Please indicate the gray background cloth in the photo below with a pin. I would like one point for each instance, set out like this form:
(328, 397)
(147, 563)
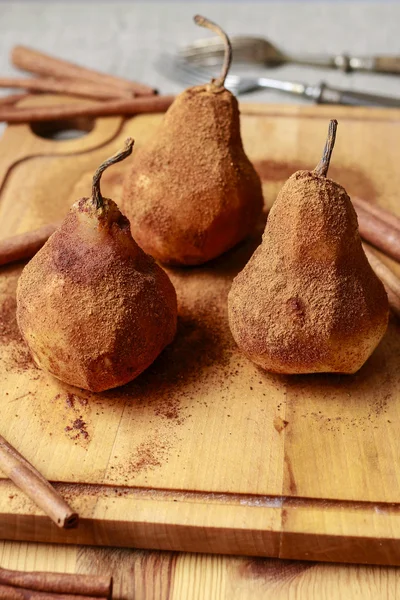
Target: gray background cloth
(126, 38)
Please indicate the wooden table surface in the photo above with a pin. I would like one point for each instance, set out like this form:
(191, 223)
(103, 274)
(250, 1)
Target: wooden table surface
(146, 575)
(153, 575)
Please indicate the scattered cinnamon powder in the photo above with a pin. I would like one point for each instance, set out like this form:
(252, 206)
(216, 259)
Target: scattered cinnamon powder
(20, 358)
(199, 357)
(168, 409)
(70, 401)
(202, 354)
(148, 455)
(9, 331)
(78, 428)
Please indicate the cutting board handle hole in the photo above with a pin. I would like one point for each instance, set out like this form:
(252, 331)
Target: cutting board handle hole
(67, 129)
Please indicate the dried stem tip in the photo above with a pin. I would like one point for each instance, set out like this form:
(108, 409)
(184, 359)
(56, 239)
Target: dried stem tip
(121, 155)
(323, 165)
(203, 22)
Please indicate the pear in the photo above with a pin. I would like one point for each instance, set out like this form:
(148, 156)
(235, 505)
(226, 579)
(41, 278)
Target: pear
(308, 301)
(94, 309)
(192, 193)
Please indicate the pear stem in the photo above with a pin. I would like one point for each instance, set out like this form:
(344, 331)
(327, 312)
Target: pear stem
(203, 22)
(323, 165)
(96, 193)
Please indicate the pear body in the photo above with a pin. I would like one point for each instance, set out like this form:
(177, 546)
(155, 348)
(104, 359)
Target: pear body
(94, 309)
(192, 193)
(308, 301)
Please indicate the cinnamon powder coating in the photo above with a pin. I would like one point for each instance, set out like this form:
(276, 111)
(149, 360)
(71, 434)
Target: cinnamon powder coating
(308, 300)
(94, 309)
(192, 192)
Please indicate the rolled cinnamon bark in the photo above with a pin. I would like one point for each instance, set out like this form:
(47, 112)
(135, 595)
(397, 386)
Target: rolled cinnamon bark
(388, 278)
(54, 112)
(25, 245)
(75, 87)
(15, 593)
(40, 63)
(35, 486)
(12, 99)
(99, 586)
(379, 233)
(376, 211)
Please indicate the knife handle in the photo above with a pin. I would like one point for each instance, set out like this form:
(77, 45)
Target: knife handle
(387, 64)
(370, 64)
(331, 95)
(348, 64)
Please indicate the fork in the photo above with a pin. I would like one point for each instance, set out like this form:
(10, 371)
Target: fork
(177, 69)
(249, 49)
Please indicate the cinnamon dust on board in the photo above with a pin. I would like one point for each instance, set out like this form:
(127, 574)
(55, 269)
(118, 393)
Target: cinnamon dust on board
(78, 425)
(204, 354)
(20, 358)
(78, 428)
(176, 383)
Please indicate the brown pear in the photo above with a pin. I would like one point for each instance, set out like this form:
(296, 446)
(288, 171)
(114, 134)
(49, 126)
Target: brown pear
(308, 301)
(192, 193)
(94, 309)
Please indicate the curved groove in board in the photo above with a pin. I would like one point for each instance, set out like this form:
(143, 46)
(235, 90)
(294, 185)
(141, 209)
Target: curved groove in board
(102, 127)
(19, 142)
(104, 130)
(5, 172)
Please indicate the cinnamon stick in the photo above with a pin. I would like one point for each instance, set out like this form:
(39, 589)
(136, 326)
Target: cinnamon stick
(40, 63)
(388, 278)
(25, 245)
(12, 99)
(379, 233)
(380, 213)
(35, 486)
(75, 87)
(15, 593)
(148, 104)
(99, 586)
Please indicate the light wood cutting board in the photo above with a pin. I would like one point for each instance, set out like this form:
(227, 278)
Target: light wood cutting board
(204, 451)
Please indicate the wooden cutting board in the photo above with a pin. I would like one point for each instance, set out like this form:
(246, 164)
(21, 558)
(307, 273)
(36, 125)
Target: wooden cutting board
(204, 451)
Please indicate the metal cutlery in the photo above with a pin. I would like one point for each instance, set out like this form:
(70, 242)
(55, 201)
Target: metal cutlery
(248, 49)
(321, 93)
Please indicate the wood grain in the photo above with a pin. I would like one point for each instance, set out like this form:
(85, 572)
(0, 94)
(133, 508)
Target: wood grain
(204, 451)
(145, 575)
